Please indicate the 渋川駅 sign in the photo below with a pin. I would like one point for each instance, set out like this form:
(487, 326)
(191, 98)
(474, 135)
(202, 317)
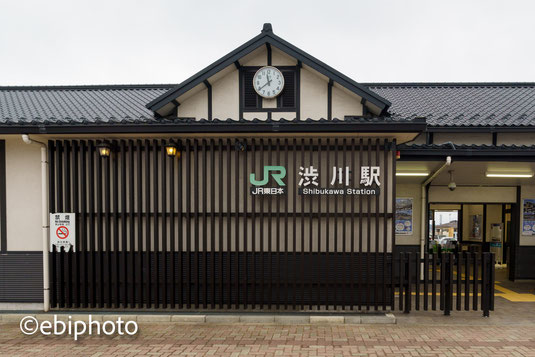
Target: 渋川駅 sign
(309, 181)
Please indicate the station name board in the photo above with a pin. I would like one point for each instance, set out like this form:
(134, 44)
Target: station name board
(309, 181)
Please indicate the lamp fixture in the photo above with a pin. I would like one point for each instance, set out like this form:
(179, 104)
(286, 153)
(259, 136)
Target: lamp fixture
(104, 149)
(415, 173)
(172, 150)
(512, 175)
(240, 145)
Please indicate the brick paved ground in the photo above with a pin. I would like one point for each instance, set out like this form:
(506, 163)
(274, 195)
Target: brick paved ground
(510, 332)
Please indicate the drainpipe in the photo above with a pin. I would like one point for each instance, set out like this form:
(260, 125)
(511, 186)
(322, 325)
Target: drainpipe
(44, 218)
(424, 204)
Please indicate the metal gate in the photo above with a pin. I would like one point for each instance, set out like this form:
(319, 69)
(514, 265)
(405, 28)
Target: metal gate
(185, 232)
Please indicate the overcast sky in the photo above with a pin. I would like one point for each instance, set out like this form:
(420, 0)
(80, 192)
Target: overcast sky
(124, 42)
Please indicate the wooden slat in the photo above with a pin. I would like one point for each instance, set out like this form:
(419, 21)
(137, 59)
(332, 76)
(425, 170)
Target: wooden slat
(148, 249)
(253, 225)
(229, 222)
(139, 201)
(68, 209)
(262, 207)
(245, 232)
(116, 224)
(286, 228)
(376, 253)
(319, 278)
(180, 222)
(310, 235)
(385, 190)
(163, 178)
(213, 176)
(83, 225)
(131, 225)
(327, 226)
(204, 225)
(236, 226)
(107, 230)
(294, 223)
(92, 264)
(156, 224)
(221, 208)
(75, 174)
(335, 233)
(369, 232)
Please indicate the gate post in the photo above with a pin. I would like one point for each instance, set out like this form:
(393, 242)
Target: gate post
(447, 264)
(485, 288)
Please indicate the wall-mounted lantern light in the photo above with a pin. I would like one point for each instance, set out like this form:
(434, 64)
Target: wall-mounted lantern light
(104, 149)
(172, 150)
(240, 145)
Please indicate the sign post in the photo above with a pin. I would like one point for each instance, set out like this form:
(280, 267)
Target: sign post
(63, 230)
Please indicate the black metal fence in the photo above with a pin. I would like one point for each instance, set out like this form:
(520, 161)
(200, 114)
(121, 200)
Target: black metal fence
(445, 282)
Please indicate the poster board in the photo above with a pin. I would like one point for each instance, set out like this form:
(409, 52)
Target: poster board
(63, 230)
(404, 209)
(528, 217)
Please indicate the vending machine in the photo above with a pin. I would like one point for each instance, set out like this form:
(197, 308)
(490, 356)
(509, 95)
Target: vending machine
(496, 241)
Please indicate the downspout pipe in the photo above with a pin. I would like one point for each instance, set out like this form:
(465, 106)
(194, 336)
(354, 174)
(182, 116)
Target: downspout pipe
(424, 203)
(44, 217)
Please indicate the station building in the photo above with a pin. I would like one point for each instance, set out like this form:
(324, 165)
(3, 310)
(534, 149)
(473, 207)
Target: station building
(266, 178)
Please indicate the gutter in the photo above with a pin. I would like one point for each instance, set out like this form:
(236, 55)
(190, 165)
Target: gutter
(423, 221)
(214, 127)
(44, 218)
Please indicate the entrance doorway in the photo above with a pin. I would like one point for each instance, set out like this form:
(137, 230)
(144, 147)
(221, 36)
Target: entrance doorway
(472, 227)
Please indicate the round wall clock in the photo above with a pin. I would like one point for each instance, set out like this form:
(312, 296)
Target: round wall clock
(268, 82)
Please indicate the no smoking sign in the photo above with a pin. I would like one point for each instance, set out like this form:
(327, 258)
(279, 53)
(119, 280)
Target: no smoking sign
(62, 230)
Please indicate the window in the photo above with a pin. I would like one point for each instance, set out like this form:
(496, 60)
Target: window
(287, 100)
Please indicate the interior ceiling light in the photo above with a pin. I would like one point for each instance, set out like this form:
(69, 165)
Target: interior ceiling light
(509, 174)
(412, 173)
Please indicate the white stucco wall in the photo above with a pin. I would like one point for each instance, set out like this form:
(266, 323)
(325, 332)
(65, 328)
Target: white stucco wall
(23, 191)
(345, 103)
(225, 96)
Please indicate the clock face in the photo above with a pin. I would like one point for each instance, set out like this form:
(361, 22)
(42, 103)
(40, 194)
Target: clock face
(268, 82)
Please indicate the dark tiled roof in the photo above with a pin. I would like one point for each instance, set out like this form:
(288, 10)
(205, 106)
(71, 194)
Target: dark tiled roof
(464, 147)
(462, 104)
(78, 104)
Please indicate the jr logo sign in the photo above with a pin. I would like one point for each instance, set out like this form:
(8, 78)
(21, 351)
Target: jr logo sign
(277, 172)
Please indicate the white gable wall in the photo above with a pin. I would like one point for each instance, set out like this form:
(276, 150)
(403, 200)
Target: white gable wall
(225, 93)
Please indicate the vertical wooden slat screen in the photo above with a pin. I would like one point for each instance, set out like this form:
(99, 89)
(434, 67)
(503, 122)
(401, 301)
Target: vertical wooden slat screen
(179, 232)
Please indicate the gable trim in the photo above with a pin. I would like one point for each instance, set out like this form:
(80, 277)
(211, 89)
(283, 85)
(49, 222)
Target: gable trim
(268, 38)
